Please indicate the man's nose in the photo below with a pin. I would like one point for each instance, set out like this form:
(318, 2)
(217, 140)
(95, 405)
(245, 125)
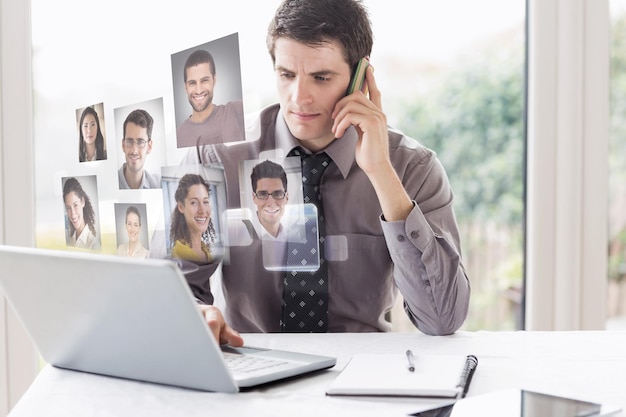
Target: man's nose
(301, 91)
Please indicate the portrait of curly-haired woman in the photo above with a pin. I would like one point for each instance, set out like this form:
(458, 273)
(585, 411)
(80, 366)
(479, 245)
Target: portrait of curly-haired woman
(192, 229)
(81, 218)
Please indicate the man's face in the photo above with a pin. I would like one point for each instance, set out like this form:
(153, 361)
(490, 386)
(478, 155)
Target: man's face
(310, 81)
(270, 211)
(134, 136)
(199, 86)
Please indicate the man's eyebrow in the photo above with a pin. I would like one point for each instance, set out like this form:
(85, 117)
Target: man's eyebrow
(323, 72)
(195, 80)
(282, 69)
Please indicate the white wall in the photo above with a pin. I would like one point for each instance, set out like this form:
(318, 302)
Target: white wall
(568, 134)
(18, 359)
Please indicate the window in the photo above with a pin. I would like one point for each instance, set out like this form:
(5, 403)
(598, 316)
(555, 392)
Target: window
(464, 97)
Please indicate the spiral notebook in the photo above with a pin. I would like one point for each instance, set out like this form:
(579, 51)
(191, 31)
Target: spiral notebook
(426, 375)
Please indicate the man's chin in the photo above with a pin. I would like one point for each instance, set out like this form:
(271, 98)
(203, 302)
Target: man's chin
(271, 223)
(134, 168)
(311, 135)
(199, 107)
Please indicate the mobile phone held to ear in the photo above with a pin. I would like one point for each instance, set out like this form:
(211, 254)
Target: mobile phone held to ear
(358, 78)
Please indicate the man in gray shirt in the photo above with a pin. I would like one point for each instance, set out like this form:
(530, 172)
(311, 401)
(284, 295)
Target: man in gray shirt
(137, 145)
(387, 202)
(209, 123)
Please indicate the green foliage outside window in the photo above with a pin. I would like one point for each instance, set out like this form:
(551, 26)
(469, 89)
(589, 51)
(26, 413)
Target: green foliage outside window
(474, 119)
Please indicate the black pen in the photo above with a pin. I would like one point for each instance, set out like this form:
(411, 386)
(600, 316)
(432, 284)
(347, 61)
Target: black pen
(471, 362)
(409, 356)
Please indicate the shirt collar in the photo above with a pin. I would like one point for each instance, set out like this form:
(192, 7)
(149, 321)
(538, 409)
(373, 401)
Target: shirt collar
(341, 150)
(144, 178)
(83, 238)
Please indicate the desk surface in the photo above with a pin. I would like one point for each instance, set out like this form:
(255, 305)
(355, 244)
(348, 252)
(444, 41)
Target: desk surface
(586, 365)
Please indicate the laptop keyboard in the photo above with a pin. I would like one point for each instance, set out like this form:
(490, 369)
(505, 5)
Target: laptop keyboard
(240, 364)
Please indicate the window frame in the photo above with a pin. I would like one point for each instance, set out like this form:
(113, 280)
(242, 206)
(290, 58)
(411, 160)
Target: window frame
(18, 356)
(567, 170)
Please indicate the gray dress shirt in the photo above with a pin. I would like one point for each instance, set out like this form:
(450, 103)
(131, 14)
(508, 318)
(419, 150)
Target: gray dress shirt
(372, 258)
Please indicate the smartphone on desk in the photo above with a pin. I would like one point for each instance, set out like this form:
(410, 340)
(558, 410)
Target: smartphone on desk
(357, 82)
(520, 402)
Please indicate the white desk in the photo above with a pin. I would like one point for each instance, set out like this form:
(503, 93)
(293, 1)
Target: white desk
(587, 365)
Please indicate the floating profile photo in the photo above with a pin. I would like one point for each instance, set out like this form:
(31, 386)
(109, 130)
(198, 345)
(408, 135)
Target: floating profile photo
(208, 93)
(273, 217)
(140, 135)
(272, 192)
(193, 200)
(131, 227)
(91, 133)
(80, 202)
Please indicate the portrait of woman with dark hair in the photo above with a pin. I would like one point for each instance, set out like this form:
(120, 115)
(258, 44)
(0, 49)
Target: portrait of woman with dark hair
(134, 247)
(81, 217)
(91, 146)
(192, 229)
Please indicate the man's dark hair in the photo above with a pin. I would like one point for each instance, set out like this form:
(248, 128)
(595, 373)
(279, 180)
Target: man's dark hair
(268, 169)
(198, 57)
(140, 118)
(316, 22)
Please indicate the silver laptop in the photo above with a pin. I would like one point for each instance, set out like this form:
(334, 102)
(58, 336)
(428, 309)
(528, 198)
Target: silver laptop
(130, 318)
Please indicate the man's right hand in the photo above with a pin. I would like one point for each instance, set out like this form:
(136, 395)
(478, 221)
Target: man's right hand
(223, 333)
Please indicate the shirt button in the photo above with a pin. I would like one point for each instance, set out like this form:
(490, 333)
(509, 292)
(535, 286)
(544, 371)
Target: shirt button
(400, 238)
(414, 234)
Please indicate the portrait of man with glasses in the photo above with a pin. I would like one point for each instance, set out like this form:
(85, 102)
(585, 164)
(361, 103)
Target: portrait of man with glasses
(137, 145)
(269, 194)
(274, 220)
